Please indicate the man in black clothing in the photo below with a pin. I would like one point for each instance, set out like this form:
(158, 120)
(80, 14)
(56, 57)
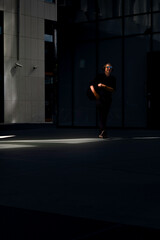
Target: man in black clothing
(102, 87)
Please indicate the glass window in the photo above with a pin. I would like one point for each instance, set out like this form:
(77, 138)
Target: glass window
(137, 24)
(156, 22)
(110, 28)
(85, 10)
(85, 31)
(156, 42)
(135, 75)
(50, 99)
(84, 72)
(0, 30)
(48, 38)
(136, 6)
(156, 5)
(109, 8)
(81, 16)
(65, 77)
(65, 87)
(50, 1)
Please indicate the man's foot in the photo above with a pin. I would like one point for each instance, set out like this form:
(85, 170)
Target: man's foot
(103, 134)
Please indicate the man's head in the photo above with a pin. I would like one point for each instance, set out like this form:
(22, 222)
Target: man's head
(108, 69)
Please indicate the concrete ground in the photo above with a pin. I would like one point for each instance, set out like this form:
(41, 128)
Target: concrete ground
(68, 184)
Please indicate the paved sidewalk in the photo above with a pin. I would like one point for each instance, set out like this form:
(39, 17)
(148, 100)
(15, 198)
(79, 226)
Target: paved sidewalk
(71, 173)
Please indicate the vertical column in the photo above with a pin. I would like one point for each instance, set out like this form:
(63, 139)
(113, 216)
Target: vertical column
(1, 70)
(18, 27)
(123, 83)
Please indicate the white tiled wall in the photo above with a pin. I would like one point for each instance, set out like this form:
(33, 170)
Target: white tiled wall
(24, 93)
(2, 5)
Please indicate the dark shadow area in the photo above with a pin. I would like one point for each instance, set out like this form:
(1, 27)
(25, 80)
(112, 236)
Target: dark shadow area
(27, 225)
(153, 85)
(24, 126)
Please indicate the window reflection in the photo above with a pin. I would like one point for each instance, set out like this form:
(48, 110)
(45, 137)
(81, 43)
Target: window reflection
(50, 1)
(109, 8)
(137, 24)
(110, 28)
(156, 42)
(136, 6)
(85, 31)
(135, 75)
(48, 38)
(156, 5)
(156, 22)
(85, 10)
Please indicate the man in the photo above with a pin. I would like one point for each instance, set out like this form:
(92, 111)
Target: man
(102, 88)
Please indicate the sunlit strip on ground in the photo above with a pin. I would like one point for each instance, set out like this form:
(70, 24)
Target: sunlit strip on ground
(146, 138)
(78, 140)
(12, 146)
(30, 143)
(9, 136)
(67, 141)
(85, 140)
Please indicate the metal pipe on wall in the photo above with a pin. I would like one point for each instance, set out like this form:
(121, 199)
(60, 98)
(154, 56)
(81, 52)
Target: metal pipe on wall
(18, 27)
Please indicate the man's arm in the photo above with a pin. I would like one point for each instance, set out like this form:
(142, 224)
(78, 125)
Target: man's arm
(110, 89)
(94, 92)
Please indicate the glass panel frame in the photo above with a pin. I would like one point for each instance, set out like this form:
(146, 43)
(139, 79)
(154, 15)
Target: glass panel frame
(84, 72)
(156, 5)
(110, 28)
(135, 80)
(85, 11)
(156, 22)
(156, 42)
(109, 8)
(49, 1)
(84, 31)
(137, 24)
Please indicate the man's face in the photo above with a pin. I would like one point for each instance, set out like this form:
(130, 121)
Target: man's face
(108, 69)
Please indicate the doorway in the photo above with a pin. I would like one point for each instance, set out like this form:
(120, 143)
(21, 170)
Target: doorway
(50, 71)
(153, 90)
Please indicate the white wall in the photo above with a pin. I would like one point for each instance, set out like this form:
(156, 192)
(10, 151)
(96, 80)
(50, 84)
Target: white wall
(24, 88)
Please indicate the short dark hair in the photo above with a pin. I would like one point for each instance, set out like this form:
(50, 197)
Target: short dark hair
(106, 64)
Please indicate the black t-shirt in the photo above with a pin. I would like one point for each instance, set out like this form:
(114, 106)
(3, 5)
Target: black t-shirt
(109, 81)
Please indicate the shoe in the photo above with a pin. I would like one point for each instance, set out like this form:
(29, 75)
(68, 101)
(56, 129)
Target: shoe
(103, 134)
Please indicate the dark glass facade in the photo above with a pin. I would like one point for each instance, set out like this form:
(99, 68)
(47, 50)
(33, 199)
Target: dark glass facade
(50, 1)
(122, 32)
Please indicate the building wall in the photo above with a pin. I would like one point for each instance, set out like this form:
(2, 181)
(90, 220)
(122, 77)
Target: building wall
(24, 87)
